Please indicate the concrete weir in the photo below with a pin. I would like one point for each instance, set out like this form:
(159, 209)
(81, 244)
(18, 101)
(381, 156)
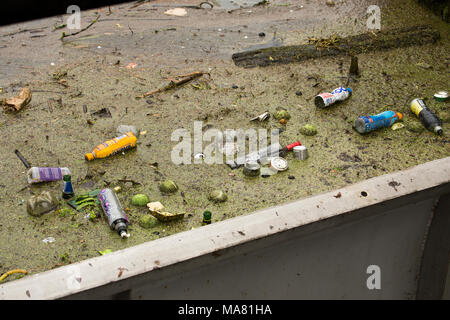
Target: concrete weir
(383, 238)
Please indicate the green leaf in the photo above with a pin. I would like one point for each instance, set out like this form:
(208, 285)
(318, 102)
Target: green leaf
(81, 206)
(85, 200)
(106, 251)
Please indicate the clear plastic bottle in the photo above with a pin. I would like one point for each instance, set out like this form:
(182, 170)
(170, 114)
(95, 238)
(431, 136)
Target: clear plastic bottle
(117, 219)
(43, 174)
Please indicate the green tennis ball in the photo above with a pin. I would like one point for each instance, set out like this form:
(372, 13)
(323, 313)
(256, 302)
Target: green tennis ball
(140, 200)
(282, 114)
(308, 130)
(168, 186)
(147, 221)
(218, 196)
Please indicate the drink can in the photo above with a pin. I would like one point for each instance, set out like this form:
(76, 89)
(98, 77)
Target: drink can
(326, 99)
(300, 152)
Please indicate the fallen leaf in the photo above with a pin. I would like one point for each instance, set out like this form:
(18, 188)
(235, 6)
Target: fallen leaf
(81, 46)
(19, 101)
(105, 251)
(131, 65)
(155, 206)
(179, 12)
(397, 126)
(121, 270)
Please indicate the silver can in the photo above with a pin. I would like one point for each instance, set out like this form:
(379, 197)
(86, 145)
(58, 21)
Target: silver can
(252, 168)
(279, 164)
(117, 219)
(300, 152)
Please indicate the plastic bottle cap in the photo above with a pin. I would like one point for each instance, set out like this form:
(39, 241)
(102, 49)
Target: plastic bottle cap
(349, 90)
(441, 96)
(207, 215)
(438, 130)
(89, 156)
(124, 234)
(400, 116)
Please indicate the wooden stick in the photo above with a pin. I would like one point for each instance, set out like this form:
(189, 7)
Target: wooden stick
(64, 35)
(175, 83)
(359, 44)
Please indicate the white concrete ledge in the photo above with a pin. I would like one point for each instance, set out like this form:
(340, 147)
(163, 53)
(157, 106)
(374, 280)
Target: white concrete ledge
(99, 271)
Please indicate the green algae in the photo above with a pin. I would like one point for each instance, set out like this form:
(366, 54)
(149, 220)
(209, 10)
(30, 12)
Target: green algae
(339, 156)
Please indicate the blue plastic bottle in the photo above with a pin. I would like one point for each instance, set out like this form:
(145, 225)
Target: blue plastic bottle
(385, 119)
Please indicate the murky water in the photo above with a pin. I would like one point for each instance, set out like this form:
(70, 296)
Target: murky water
(236, 4)
(53, 134)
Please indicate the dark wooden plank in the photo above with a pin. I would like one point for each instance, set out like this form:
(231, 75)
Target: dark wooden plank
(353, 45)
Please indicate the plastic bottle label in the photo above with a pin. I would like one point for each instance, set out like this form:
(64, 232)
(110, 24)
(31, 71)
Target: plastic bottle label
(417, 106)
(382, 120)
(111, 206)
(50, 174)
(338, 94)
(67, 187)
(114, 146)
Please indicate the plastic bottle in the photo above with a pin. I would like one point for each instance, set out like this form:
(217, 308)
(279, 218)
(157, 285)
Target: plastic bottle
(206, 218)
(326, 99)
(385, 119)
(43, 174)
(67, 187)
(117, 219)
(426, 116)
(113, 146)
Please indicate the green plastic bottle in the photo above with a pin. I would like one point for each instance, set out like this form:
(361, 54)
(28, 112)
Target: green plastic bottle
(206, 218)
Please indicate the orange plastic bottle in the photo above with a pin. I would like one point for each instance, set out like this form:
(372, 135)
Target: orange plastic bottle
(113, 146)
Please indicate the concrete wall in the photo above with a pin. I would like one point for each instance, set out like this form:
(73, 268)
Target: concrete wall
(315, 248)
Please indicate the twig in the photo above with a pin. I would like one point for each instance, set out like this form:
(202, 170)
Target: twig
(61, 26)
(175, 83)
(130, 180)
(21, 31)
(64, 35)
(24, 161)
(138, 3)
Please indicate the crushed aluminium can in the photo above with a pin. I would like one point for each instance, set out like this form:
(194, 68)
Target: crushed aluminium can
(261, 117)
(426, 116)
(385, 119)
(326, 99)
(279, 164)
